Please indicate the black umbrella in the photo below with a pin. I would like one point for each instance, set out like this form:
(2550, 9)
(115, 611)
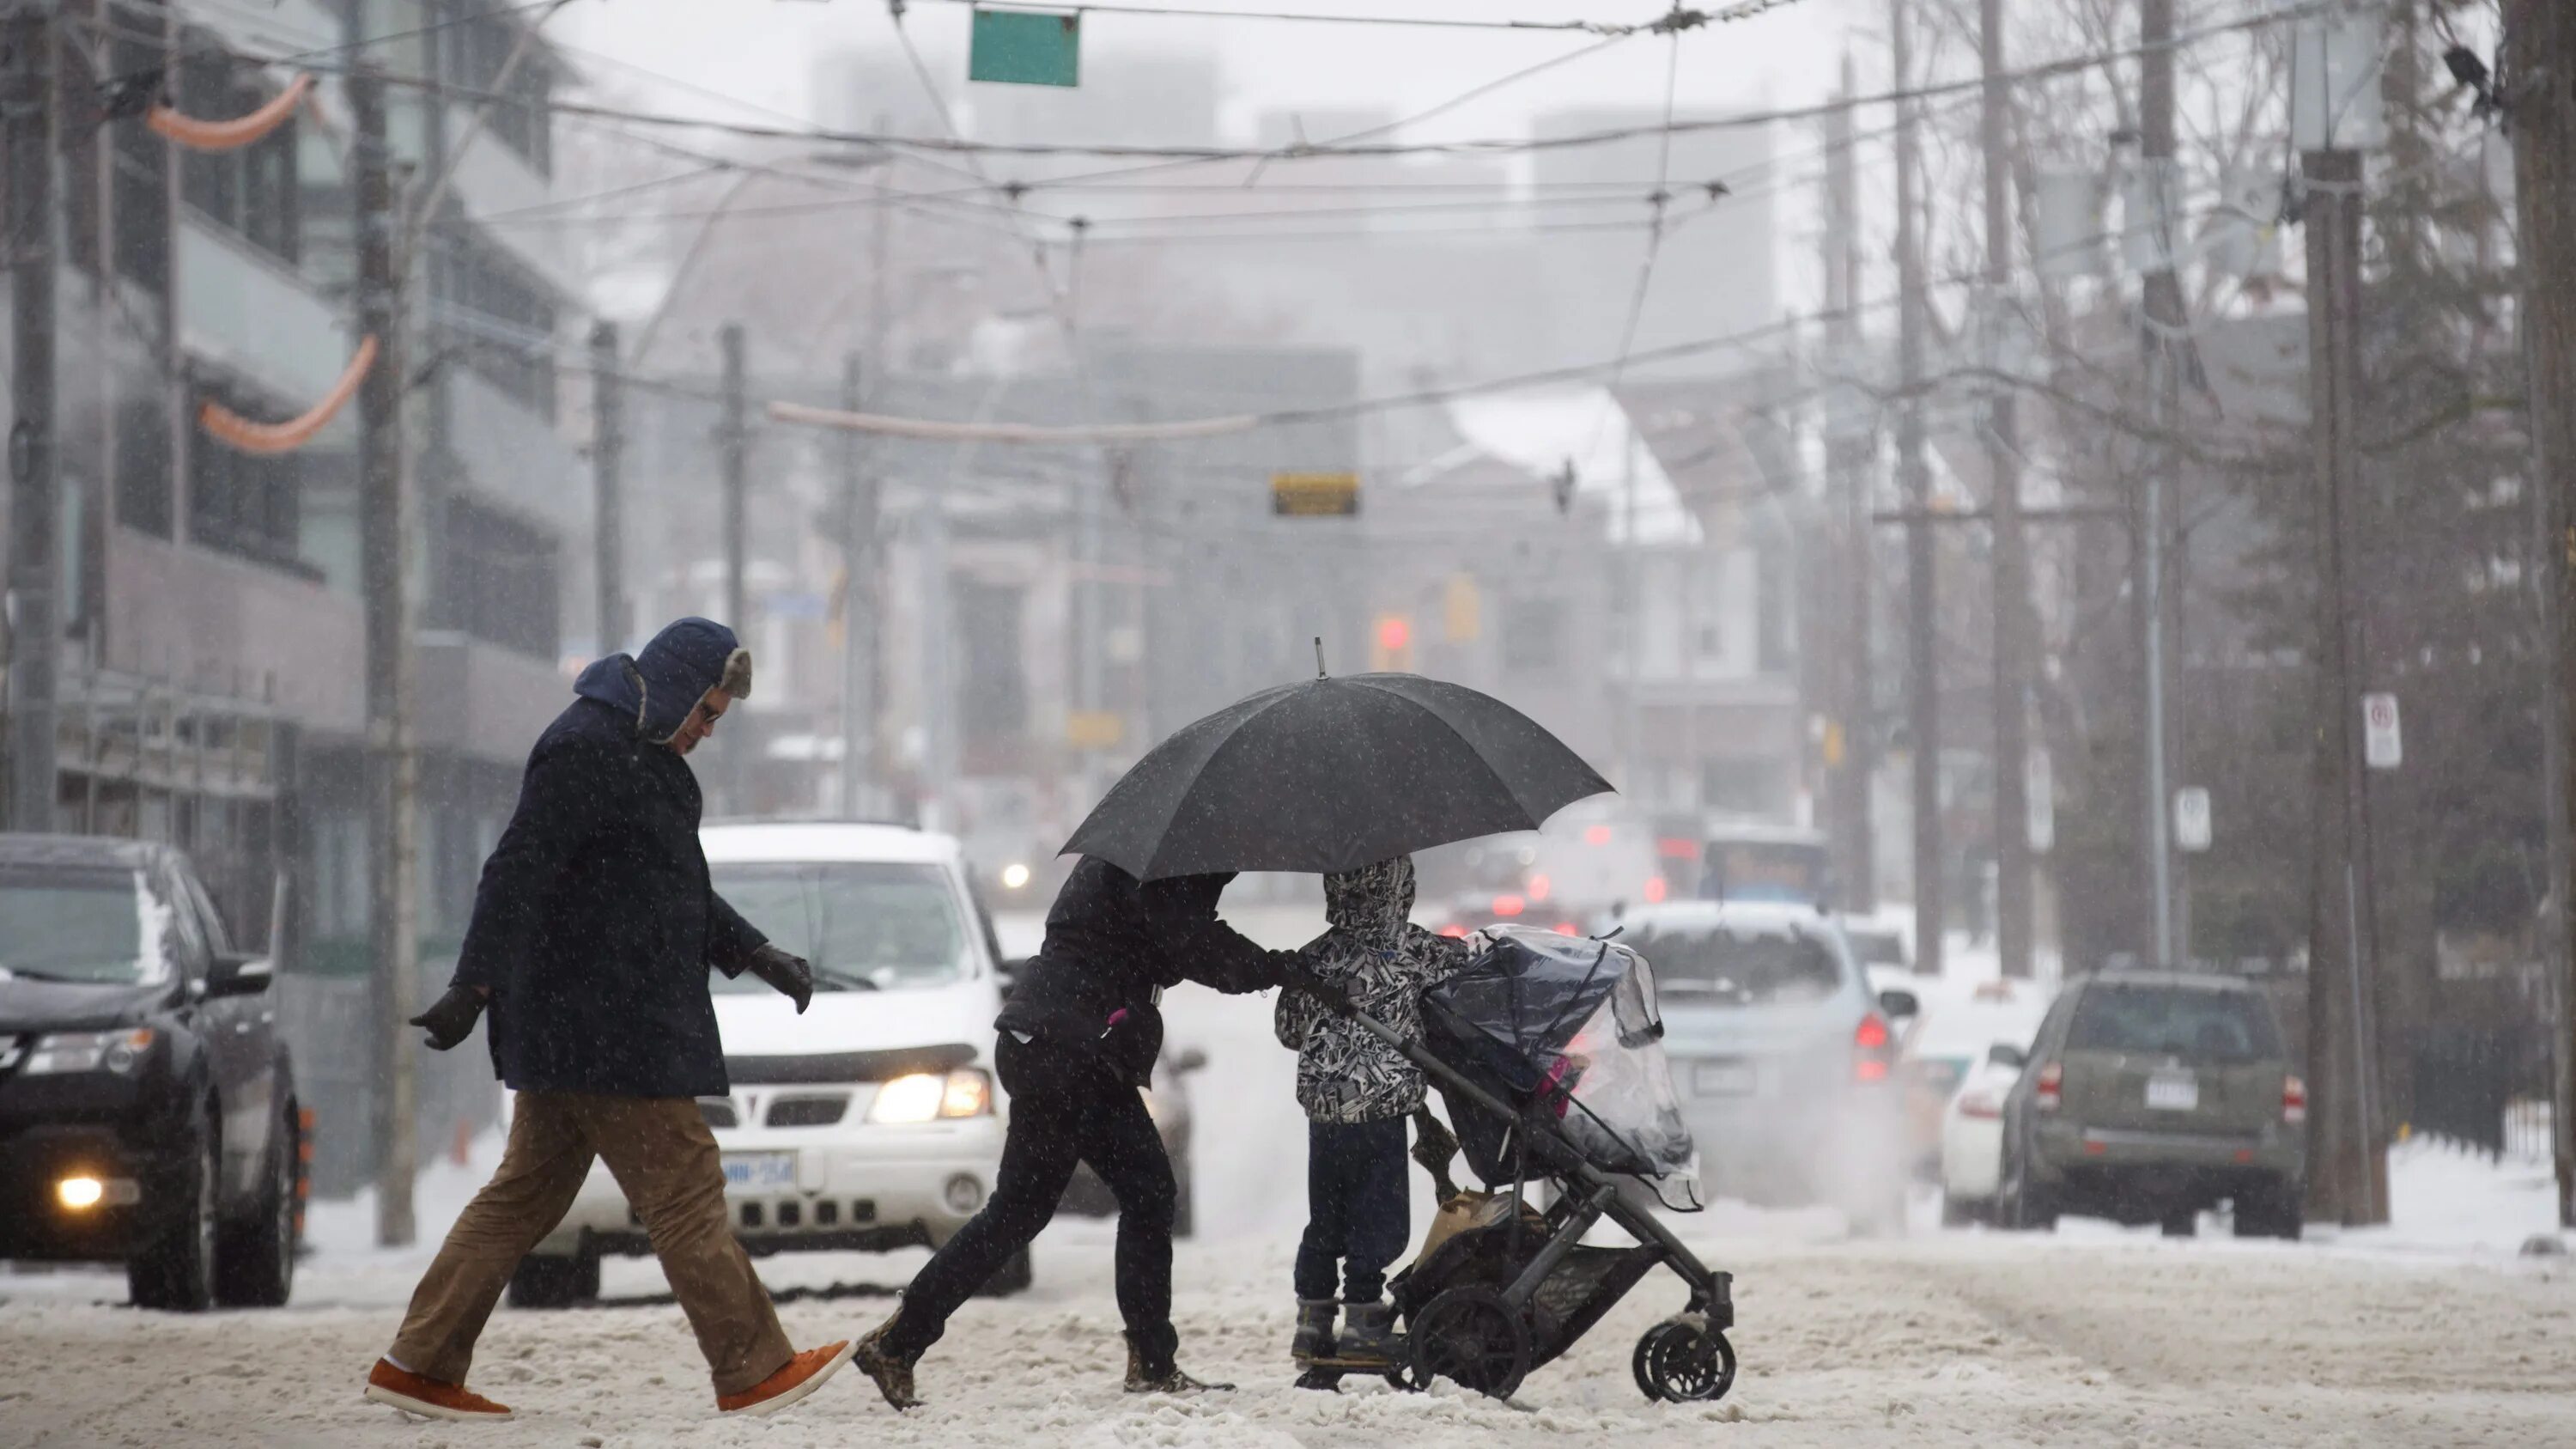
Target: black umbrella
(1330, 775)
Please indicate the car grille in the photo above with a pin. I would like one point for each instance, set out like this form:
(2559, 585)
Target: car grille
(808, 1111)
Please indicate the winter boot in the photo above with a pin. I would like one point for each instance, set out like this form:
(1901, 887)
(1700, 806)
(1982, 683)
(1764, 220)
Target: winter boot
(893, 1375)
(1314, 1329)
(1368, 1332)
(1144, 1378)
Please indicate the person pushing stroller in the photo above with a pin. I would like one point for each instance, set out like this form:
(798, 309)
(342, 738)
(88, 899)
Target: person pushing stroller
(1357, 1091)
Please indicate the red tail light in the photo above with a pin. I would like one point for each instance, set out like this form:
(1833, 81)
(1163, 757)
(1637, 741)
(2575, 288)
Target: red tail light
(1870, 1049)
(2045, 1096)
(2294, 1100)
(1984, 1106)
(1454, 931)
(1509, 906)
(1656, 889)
(1566, 928)
(1539, 886)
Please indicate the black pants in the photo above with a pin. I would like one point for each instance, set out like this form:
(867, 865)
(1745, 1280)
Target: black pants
(1355, 1210)
(1065, 1109)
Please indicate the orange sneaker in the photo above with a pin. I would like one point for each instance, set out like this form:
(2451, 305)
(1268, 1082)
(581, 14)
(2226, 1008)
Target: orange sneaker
(430, 1398)
(803, 1375)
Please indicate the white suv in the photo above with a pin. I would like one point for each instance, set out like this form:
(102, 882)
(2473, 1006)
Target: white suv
(872, 1121)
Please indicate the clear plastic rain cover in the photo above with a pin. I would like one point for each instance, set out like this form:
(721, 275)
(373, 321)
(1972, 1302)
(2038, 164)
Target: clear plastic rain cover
(1571, 1025)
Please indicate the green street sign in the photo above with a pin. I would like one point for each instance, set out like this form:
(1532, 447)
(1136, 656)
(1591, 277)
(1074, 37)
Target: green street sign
(1026, 48)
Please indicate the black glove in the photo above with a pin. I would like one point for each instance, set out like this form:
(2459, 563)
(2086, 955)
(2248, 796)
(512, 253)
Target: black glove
(787, 974)
(450, 1019)
(1335, 997)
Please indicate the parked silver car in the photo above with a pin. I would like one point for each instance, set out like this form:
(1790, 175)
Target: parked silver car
(1782, 1054)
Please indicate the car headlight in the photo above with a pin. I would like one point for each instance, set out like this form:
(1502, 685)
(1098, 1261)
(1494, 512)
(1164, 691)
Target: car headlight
(1015, 876)
(930, 1096)
(87, 1051)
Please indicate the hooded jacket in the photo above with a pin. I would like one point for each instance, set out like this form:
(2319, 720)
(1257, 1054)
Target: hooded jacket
(595, 922)
(1376, 953)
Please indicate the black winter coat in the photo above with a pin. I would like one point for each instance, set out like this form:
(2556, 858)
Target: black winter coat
(595, 923)
(1112, 945)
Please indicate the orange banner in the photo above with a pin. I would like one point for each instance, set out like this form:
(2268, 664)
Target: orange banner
(232, 135)
(268, 438)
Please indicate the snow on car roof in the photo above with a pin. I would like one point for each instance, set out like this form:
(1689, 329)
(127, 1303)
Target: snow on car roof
(1781, 917)
(827, 840)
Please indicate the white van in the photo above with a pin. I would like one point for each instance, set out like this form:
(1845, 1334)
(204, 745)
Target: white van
(873, 1121)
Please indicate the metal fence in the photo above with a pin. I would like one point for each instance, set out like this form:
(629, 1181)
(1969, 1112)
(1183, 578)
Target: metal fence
(2474, 1086)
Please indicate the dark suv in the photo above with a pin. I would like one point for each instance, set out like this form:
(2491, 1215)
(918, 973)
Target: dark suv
(147, 1107)
(2150, 1096)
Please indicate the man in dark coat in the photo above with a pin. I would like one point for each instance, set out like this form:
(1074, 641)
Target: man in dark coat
(593, 930)
(1078, 1037)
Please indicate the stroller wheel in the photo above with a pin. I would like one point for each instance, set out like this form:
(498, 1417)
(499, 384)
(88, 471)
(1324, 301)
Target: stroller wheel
(1683, 1361)
(1471, 1337)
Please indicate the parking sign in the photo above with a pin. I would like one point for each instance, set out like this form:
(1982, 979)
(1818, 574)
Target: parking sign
(2191, 819)
(2383, 746)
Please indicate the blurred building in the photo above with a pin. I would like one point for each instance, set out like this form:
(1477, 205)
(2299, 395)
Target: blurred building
(213, 659)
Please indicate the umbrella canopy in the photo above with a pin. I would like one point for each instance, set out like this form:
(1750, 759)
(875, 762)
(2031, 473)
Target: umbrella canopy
(1332, 775)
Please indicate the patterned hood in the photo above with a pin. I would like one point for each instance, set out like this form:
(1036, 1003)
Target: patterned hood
(1372, 903)
(1376, 953)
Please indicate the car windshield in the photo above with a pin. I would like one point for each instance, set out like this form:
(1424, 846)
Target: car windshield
(78, 925)
(1721, 967)
(864, 925)
(2174, 1021)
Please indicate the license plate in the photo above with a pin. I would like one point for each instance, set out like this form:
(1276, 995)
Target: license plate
(2174, 1094)
(759, 1171)
(1723, 1079)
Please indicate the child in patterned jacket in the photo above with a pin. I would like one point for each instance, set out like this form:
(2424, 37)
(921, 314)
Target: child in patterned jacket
(1357, 1091)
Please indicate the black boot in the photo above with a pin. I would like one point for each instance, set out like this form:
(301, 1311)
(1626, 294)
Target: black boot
(1314, 1329)
(893, 1375)
(1164, 1378)
(1368, 1332)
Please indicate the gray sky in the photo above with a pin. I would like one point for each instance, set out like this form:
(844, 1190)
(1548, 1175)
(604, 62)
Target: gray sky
(761, 51)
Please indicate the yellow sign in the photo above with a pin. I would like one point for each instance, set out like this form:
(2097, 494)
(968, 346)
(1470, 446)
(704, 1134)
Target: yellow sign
(1315, 495)
(1094, 729)
(1462, 610)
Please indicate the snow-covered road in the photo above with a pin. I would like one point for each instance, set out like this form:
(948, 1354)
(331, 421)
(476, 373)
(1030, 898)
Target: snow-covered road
(2433, 1335)
(1955, 1339)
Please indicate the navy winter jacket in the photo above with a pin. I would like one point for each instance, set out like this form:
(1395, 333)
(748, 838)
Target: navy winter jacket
(595, 923)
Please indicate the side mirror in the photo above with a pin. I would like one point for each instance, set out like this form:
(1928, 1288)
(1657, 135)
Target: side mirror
(1192, 1060)
(1900, 1004)
(2005, 1054)
(239, 973)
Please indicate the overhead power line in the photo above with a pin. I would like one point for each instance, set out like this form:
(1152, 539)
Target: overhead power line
(1677, 19)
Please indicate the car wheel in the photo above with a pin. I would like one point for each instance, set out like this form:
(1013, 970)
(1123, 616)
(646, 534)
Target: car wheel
(551, 1280)
(2027, 1206)
(2182, 1222)
(177, 1272)
(1184, 1215)
(1014, 1276)
(2272, 1210)
(255, 1262)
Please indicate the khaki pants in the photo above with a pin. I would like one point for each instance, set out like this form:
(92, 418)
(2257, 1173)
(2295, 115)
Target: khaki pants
(662, 1154)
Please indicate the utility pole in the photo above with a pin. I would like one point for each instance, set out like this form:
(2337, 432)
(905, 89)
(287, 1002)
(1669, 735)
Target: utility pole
(607, 451)
(1922, 659)
(2540, 43)
(392, 772)
(32, 232)
(1851, 454)
(2165, 325)
(859, 595)
(734, 439)
(2012, 621)
(2347, 1172)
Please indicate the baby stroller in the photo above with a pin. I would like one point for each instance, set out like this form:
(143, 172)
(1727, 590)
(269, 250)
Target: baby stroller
(1547, 1054)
